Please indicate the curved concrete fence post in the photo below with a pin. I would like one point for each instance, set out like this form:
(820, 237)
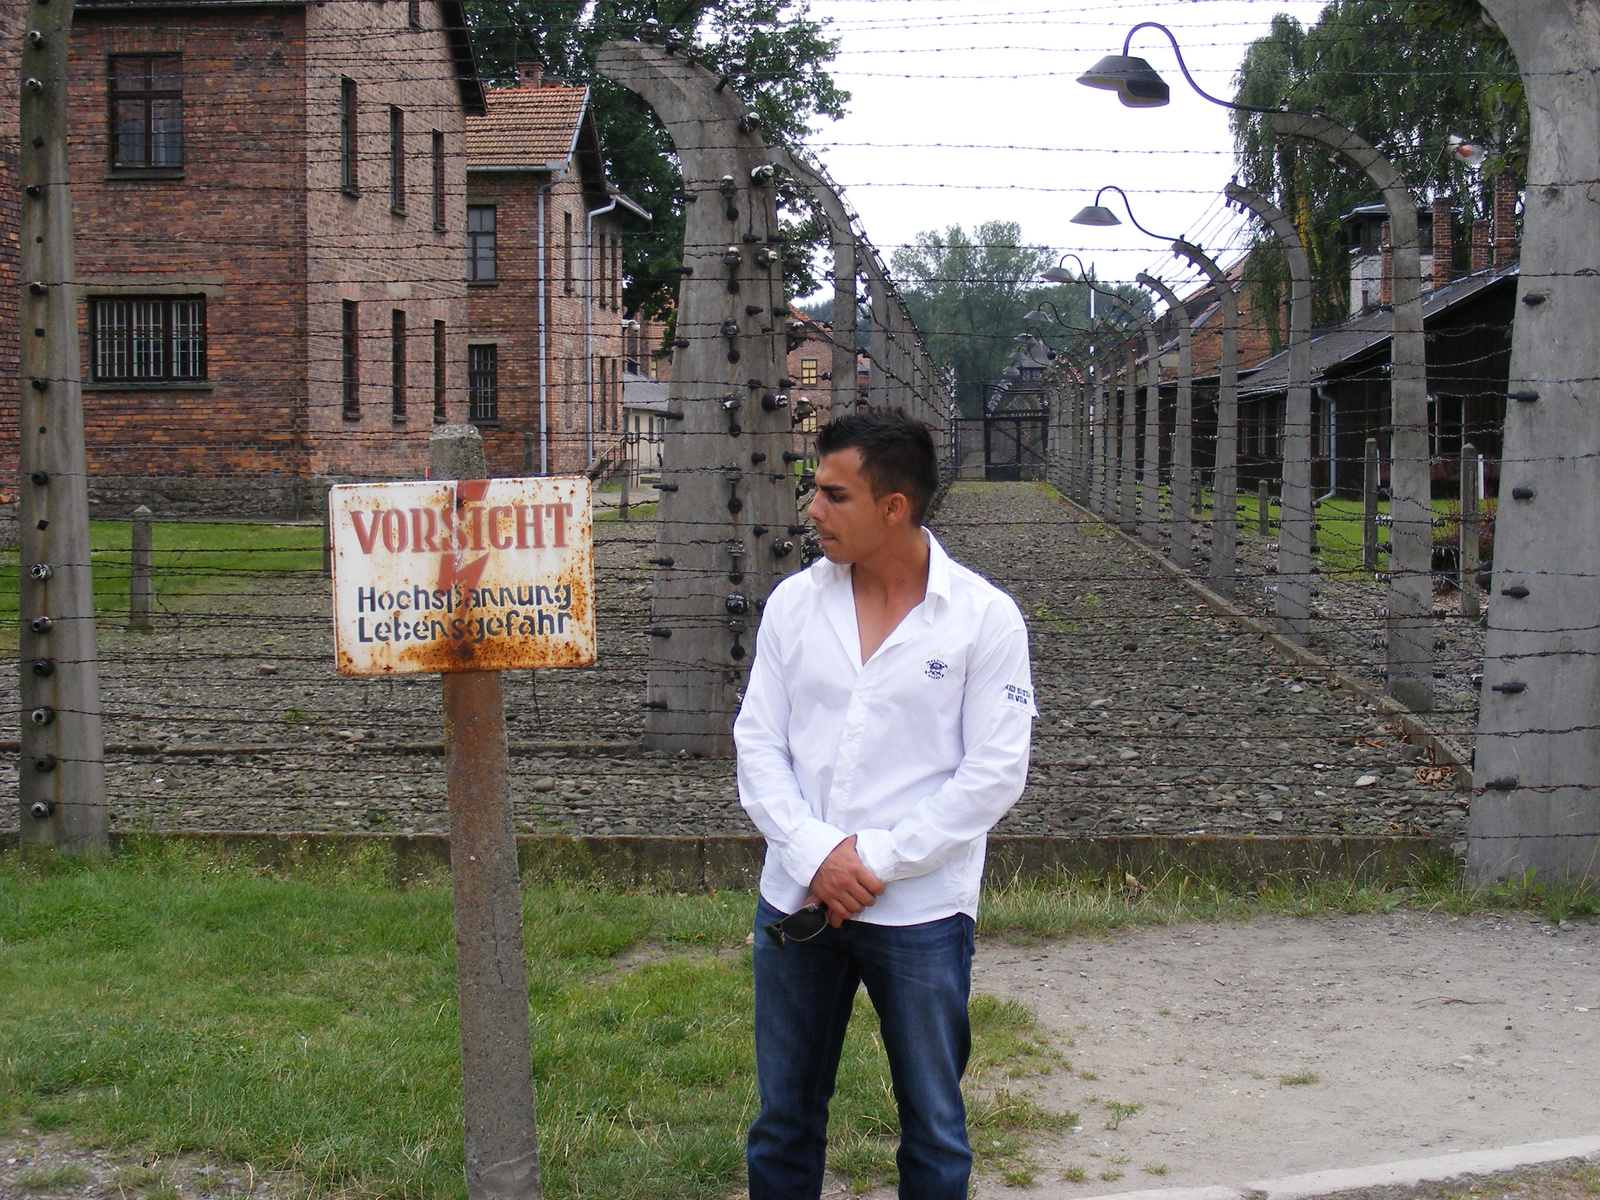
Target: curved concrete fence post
(726, 531)
(1295, 515)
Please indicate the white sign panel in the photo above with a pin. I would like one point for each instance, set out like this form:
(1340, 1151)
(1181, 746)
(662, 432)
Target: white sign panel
(462, 575)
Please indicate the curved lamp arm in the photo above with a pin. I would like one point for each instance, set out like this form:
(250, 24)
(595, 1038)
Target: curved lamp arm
(1128, 208)
(1184, 67)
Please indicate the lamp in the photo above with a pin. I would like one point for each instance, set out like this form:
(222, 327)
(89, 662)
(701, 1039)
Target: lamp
(1060, 274)
(1098, 214)
(1135, 81)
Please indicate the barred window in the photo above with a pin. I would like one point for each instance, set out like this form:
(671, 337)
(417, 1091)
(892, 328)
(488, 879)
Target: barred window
(349, 176)
(350, 358)
(146, 97)
(438, 179)
(483, 383)
(808, 372)
(439, 414)
(480, 243)
(397, 159)
(152, 339)
(397, 363)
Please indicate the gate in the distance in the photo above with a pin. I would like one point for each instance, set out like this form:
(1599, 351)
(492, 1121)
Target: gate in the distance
(1016, 441)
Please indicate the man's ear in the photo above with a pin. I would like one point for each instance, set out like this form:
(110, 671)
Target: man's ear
(896, 508)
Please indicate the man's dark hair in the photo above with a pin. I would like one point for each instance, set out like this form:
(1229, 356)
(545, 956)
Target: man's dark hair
(897, 454)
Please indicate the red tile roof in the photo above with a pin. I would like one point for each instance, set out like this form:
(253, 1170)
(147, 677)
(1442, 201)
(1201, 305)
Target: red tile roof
(526, 126)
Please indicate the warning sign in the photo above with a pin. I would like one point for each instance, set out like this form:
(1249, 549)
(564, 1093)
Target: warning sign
(462, 575)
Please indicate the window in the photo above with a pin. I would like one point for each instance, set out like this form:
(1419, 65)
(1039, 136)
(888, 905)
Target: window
(146, 96)
(439, 414)
(149, 339)
(350, 359)
(438, 180)
(349, 179)
(808, 372)
(480, 243)
(414, 13)
(483, 383)
(397, 363)
(397, 159)
(616, 272)
(566, 248)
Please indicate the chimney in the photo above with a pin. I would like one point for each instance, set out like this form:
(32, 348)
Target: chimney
(1479, 232)
(530, 75)
(1443, 248)
(1505, 220)
(1386, 284)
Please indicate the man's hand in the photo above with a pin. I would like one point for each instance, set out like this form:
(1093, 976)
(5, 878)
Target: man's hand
(844, 884)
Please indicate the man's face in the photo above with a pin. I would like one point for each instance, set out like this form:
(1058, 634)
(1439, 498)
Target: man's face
(851, 523)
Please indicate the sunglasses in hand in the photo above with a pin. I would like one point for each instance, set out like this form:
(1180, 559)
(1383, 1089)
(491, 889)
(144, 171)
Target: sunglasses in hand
(801, 925)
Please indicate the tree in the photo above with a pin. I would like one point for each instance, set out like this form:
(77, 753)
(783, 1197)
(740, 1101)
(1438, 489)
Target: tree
(968, 296)
(1403, 83)
(774, 51)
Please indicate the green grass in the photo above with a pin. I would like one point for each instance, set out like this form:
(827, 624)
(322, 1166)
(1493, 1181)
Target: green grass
(1339, 527)
(304, 1021)
(187, 559)
(52, 1179)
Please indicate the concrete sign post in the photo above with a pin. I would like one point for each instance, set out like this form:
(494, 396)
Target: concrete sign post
(1538, 752)
(467, 576)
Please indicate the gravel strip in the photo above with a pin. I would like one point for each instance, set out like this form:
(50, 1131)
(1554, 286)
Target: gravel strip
(1155, 715)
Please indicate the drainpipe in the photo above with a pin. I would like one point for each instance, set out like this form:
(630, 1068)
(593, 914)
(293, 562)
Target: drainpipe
(544, 312)
(588, 316)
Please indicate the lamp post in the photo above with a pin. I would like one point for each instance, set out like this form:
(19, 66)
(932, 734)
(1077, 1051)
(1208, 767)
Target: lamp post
(1224, 487)
(1104, 456)
(1295, 521)
(1147, 520)
(1129, 518)
(1182, 550)
(1410, 596)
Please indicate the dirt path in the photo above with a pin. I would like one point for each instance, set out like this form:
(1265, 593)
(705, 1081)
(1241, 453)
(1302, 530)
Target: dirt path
(1285, 1046)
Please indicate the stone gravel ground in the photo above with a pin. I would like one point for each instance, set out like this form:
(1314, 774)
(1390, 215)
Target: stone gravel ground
(1155, 715)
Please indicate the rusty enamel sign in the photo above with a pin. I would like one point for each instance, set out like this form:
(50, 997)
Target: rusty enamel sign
(462, 575)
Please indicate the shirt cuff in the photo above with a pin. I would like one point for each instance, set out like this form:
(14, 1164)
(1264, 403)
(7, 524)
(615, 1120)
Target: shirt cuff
(811, 843)
(875, 849)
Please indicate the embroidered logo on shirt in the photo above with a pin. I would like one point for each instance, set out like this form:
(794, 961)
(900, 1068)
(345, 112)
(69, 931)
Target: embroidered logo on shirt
(1017, 695)
(936, 669)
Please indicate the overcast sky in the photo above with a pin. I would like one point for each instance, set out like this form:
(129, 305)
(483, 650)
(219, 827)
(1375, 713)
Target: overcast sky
(965, 111)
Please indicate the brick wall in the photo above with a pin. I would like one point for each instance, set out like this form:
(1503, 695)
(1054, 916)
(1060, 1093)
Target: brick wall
(256, 223)
(229, 228)
(581, 358)
(360, 250)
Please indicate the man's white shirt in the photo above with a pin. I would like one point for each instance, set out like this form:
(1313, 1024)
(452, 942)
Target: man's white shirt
(918, 751)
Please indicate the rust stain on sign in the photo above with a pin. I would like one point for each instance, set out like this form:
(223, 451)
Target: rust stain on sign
(462, 575)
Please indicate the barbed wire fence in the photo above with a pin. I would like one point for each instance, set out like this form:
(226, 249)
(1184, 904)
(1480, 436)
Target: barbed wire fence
(228, 716)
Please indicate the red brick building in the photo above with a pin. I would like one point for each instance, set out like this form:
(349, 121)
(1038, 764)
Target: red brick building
(270, 214)
(548, 336)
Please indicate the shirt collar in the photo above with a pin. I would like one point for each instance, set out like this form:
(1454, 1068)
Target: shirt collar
(825, 572)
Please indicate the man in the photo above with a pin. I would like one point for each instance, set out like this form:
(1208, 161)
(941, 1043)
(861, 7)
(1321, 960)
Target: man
(884, 730)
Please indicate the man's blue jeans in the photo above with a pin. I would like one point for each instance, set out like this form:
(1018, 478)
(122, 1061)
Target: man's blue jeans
(918, 978)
